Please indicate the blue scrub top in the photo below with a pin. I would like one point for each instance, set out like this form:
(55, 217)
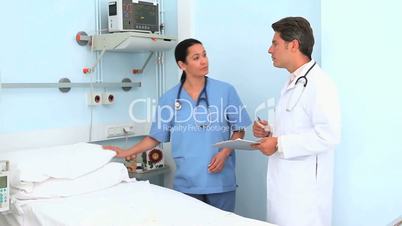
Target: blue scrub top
(193, 130)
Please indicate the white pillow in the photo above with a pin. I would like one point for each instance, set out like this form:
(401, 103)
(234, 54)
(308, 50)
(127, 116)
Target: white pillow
(66, 161)
(107, 176)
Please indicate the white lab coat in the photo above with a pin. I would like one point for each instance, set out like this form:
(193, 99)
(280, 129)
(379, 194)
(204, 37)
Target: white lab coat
(300, 175)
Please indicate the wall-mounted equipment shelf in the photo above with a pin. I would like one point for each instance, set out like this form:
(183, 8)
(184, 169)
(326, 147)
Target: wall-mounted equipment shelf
(65, 85)
(125, 42)
(132, 42)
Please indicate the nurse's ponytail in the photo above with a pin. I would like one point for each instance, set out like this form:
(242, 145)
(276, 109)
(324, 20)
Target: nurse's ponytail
(181, 52)
(183, 77)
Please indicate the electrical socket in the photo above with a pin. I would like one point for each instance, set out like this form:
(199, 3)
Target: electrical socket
(108, 98)
(94, 99)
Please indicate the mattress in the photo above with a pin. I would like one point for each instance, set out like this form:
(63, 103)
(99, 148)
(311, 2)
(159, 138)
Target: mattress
(132, 203)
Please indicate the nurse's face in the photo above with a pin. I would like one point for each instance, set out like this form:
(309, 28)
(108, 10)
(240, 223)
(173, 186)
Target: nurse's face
(196, 61)
(280, 51)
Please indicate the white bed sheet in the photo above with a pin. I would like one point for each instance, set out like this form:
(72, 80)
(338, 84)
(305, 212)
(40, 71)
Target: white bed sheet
(126, 204)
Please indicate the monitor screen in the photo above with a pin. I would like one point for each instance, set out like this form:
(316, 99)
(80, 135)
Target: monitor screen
(3, 182)
(112, 8)
(145, 14)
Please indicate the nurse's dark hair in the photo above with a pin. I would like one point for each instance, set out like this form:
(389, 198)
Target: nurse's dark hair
(181, 52)
(296, 28)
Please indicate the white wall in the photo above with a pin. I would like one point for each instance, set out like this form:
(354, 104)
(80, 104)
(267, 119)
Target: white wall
(361, 51)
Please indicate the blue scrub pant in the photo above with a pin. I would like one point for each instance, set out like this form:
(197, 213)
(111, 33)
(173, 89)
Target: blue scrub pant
(224, 201)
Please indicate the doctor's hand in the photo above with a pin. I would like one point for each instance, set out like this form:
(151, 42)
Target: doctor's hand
(120, 153)
(261, 128)
(267, 146)
(218, 161)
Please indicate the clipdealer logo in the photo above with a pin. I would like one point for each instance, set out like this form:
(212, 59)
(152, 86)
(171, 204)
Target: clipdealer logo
(200, 114)
(266, 110)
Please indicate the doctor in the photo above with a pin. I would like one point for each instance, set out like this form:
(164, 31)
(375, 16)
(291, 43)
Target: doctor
(305, 132)
(194, 115)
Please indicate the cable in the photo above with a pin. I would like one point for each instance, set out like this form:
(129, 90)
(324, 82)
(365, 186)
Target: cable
(91, 92)
(95, 76)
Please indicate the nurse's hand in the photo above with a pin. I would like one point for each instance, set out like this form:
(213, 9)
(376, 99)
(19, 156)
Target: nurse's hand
(218, 161)
(261, 128)
(120, 153)
(267, 145)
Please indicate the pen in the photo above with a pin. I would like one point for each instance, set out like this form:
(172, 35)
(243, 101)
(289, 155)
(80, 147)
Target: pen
(259, 122)
(266, 128)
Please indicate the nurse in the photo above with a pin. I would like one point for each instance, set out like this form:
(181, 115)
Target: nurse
(305, 132)
(193, 116)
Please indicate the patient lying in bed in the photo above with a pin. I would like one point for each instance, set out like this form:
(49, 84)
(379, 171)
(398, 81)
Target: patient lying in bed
(78, 185)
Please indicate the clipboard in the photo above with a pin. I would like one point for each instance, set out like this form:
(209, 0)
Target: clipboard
(237, 144)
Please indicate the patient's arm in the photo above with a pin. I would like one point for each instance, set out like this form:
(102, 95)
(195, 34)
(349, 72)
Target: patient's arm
(144, 145)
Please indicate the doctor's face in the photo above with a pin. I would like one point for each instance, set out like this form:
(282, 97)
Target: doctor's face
(280, 53)
(196, 61)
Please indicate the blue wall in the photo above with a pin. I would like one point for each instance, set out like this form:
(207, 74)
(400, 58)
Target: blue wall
(361, 50)
(237, 35)
(38, 45)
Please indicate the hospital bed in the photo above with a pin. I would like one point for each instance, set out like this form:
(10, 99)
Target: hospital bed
(79, 185)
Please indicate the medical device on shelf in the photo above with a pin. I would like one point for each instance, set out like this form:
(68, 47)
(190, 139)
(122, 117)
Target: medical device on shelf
(4, 186)
(152, 159)
(133, 15)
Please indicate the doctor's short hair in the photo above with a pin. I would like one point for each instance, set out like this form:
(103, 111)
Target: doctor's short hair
(181, 52)
(291, 28)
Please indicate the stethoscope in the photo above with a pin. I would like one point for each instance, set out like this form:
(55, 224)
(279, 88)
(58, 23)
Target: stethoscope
(300, 86)
(178, 105)
(202, 97)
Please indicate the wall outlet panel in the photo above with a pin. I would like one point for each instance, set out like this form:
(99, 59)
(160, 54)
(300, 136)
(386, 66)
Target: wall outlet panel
(94, 99)
(120, 131)
(62, 136)
(108, 98)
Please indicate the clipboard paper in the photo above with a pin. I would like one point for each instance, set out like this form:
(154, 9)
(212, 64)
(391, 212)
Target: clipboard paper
(237, 144)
